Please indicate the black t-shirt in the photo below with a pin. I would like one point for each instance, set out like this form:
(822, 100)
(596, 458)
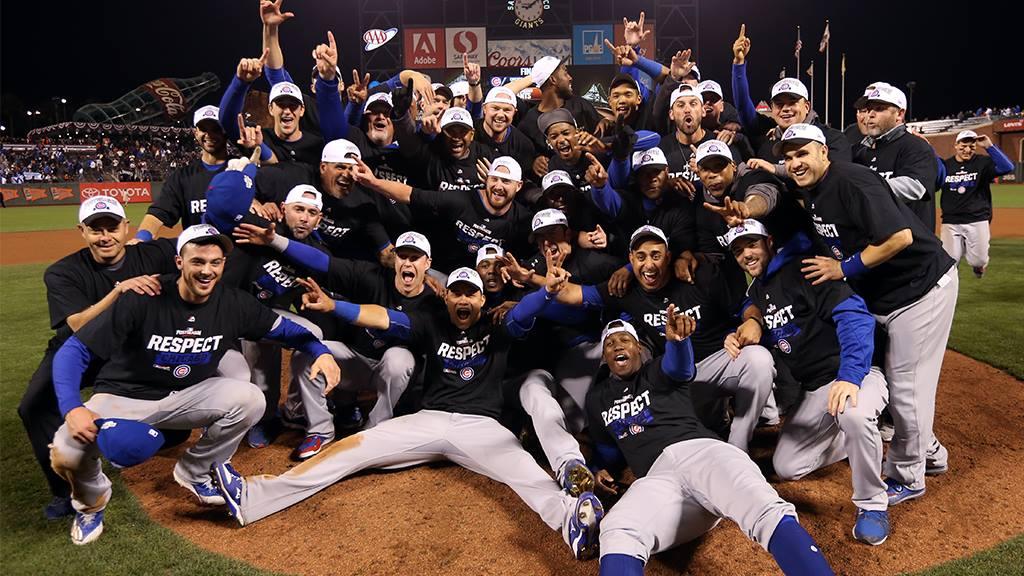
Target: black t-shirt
(967, 192)
(368, 283)
(433, 167)
(678, 154)
(76, 281)
(587, 118)
(351, 226)
(852, 207)
(470, 225)
(673, 214)
(183, 196)
(643, 414)
(798, 318)
(707, 300)
(158, 344)
(387, 164)
(267, 274)
(465, 368)
(306, 150)
(904, 154)
(516, 145)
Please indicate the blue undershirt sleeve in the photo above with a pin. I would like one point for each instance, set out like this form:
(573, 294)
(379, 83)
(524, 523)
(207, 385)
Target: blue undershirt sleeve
(68, 365)
(855, 329)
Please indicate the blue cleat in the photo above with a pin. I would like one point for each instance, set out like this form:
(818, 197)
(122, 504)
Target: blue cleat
(230, 485)
(86, 527)
(206, 492)
(59, 507)
(582, 528)
(575, 478)
(900, 492)
(872, 526)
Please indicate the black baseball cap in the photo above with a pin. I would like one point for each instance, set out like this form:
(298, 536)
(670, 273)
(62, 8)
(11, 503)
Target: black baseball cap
(623, 78)
(556, 116)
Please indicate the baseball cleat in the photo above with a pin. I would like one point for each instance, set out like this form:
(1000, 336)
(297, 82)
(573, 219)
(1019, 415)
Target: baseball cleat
(582, 528)
(86, 527)
(575, 478)
(900, 492)
(872, 526)
(311, 446)
(230, 484)
(59, 507)
(979, 271)
(206, 492)
(260, 436)
(935, 469)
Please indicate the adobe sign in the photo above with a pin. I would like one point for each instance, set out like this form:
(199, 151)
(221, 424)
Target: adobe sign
(424, 48)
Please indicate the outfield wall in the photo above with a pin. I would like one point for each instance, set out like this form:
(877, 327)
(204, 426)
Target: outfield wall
(57, 193)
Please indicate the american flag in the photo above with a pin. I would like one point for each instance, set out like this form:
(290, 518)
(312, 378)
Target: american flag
(799, 44)
(824, 39)
(810, 71)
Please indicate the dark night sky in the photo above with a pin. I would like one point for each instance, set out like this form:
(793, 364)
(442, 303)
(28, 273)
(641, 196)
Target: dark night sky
(960, 56)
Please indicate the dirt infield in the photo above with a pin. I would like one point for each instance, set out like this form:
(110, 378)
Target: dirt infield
(445, 520)
(48, 246)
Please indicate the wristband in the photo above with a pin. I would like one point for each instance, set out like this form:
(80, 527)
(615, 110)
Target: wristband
(144, 235)
(853, 266)
(473, 85)
(346, 311)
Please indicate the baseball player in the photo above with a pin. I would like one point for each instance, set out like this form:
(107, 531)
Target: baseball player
(79, 287)
(559, 192)
(495, 129)
(825, 335)
(570, 144)
(466, 361)
(908, 163)
(909, 283)
(162, 353)
(367, 360)
(967, 198)
(789, 105)
(687, 112)
(552, 76)
(183, 196)
(688, 479)
(721, 117)
(747, 378)
(488, 216)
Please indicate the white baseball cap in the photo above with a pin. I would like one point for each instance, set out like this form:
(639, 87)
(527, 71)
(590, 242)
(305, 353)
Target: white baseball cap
(200, 231)
(557, 178)
(887, 93)
(546, 218)
(710, 86)
(799, 134)
(341, 151)
(99, 206)
(543, 69)
(467, 275)
(531, 93)
(750, 227)
(206, 113)
(460, 88)
(618, 325)
(512, 169)
(500, 95)
(285, 89)
(456, 115)
(384, 97)
(696, 72)
(650, 157)
(713, 148)
(644, 232)
(789, 86)
(489, 252)
(414, 240)
(301, 195)
(966, 134)
(685, 90)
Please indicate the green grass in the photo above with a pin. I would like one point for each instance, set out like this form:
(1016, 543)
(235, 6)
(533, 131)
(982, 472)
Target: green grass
(28, 543)
(32, 218)
(989, 311)
(1008, 195)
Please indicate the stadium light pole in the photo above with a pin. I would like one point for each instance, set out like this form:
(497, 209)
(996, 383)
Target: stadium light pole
(910, 100)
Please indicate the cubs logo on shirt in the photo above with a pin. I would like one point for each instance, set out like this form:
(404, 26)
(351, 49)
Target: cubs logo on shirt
(181, 371)
(467, 373)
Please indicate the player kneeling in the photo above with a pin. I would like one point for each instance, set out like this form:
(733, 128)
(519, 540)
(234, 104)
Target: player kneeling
(825, 335)
(688, 478)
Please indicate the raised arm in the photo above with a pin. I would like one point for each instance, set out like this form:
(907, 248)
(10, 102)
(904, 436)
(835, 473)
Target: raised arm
(370, 316)
(740, 87)
(333, 124)
(396, 191)
(272, 18)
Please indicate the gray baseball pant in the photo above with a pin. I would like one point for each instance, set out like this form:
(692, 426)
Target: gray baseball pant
(226, 407)
(692, 485)
(812, 438)
(970, 240)
(539, 402)
(477, 443)
(389, 376)
(747, 378)
(264, 359)
(918, 334)
(573, 374)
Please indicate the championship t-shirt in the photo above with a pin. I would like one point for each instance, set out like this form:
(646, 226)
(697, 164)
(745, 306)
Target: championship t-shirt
(183, 195)
(967, 192)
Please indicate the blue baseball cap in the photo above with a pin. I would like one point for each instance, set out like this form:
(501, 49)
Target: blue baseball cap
(126, 442)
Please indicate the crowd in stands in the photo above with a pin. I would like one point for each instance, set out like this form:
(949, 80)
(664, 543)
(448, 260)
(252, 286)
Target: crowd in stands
(111, 158)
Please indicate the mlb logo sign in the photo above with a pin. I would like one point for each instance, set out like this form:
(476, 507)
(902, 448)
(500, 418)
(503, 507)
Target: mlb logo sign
(424, 47)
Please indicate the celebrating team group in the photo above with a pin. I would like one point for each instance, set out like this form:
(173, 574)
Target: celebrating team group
(661, 276)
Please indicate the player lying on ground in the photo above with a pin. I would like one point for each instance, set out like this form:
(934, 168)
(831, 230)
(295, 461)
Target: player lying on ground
(688, 479)
(162, 355)
(466, 361)
(825, 335)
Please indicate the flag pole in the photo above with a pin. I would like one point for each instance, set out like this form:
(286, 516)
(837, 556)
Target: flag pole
(828, 49)
(798, 46)
(811, 76)
(842, 94)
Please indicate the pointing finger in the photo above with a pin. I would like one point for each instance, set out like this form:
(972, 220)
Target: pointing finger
(263, 58)
(743, 30)
(330, 39)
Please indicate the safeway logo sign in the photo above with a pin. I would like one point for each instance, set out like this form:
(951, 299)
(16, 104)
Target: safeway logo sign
(375, 38)
(459, 41)
(424, 47)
